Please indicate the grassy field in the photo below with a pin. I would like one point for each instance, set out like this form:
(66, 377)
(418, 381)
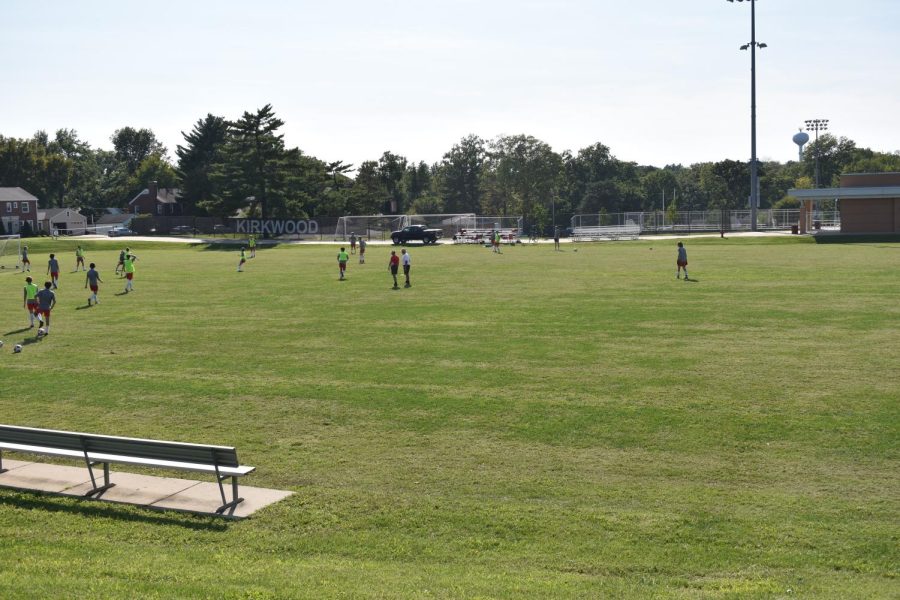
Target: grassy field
(534, 425)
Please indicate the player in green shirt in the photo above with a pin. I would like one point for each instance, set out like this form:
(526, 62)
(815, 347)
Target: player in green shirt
(79, 258)
(29, 300)
(342, 258)
(252, 243)
(243, 259)
(128, 267)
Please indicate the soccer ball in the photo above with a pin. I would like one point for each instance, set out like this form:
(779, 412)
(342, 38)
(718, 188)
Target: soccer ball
(17, 348)
(1, 343)
(42, 332)
(576, 250)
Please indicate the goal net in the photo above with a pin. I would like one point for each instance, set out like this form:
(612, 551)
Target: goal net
(450, 224)
(10, 252)
(372, 227)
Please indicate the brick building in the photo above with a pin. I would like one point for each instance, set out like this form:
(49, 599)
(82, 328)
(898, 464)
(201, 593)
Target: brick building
(16, 208)
(868, 202)
(156, 201)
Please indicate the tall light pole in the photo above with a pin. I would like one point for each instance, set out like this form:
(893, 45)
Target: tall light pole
(817, 125)
(754, 170)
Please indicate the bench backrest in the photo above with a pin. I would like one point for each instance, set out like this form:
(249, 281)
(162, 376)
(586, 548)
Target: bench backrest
(224, 456)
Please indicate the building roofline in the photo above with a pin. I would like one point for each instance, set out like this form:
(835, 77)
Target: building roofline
(848, 193)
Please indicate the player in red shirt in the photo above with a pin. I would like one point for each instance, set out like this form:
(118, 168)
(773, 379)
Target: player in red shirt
(393, 267)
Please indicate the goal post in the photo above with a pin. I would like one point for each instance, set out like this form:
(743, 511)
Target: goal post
(372, 227)
(10, 252)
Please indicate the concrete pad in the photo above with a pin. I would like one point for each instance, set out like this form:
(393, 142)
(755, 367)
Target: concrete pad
(167, 493)
(45, 478)
(133, 489)
(9, 465)
(205, 498)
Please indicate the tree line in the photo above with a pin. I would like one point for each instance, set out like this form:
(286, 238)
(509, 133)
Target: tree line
(225, 166)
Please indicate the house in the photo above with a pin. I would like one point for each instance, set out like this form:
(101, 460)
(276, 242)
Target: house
(68, 221)
(869, 202)
(156, 201)
(17, 207)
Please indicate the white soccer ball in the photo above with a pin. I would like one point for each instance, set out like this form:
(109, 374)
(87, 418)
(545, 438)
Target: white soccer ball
(1, 343)
(41, 332)
(17, 348)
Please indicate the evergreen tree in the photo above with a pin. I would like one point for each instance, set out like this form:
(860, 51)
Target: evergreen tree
(196, 159)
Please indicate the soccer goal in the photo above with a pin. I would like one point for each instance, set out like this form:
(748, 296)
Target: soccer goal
(10, 252)
(373, 227)
(450, 223)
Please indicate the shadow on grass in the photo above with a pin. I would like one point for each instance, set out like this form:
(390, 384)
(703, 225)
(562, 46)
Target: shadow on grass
(83, 306)
(234, 246)
(35, 499)
(23, 330)
(845, 238)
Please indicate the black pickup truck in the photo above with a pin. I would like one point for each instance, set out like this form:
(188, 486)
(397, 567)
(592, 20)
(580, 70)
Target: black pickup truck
(416, 233)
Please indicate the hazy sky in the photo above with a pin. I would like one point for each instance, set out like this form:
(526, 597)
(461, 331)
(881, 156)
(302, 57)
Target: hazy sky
(658, 81)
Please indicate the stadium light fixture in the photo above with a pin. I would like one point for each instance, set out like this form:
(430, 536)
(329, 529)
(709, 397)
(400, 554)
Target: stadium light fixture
(754, 167)
(817, 125)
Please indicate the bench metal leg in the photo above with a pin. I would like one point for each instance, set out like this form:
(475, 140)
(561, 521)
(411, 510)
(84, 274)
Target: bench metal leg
(97, 490)
(234, 494)
(2, 470)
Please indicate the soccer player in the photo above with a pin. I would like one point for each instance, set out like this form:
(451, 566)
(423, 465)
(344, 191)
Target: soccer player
(362, 250)
(53, 270)
(79, 258)
(393, 265)
(120, 267)
(243, 259)
(407, 265)
(342, 259)
(681, 262)
(29, 300)
(352, 243)
(128, 268)
(26, 263)
(497, 242)
(46, 301)
(93, 278)
(252, 243)
(556, 238)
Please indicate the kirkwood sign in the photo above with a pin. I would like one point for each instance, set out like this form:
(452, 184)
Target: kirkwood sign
(275, 226)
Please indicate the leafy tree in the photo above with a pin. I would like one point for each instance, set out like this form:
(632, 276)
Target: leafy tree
(525, 173)
(391, 168)
(132, 146)
(197, 158)
(460, 175)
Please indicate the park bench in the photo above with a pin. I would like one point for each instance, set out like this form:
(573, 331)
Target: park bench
(105, 449)
(612, 232)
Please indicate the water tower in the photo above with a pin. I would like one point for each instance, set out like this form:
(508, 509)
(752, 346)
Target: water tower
(800, 139)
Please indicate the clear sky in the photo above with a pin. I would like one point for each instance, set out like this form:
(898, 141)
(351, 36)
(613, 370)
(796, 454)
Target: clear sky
(658, 81)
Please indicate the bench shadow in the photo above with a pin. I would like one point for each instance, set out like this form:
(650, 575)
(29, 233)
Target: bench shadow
(35, 499)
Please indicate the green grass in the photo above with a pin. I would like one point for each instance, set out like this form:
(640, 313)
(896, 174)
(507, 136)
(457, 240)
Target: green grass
(538, 424)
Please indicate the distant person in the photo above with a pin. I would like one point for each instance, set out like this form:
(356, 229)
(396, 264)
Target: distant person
(556, 238)
(92, 279)
(407, 265)
(362, 250)
(29, 300)
(252, 243)
(393, 267)
(243, 259)
(53, 270)
(352, 243)
(46, 301)
(120, 266)
(342, 259)
(79, 258)
(26, 262)
(128, 268)
(681, 262)
(496, 242)
(55, 233)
